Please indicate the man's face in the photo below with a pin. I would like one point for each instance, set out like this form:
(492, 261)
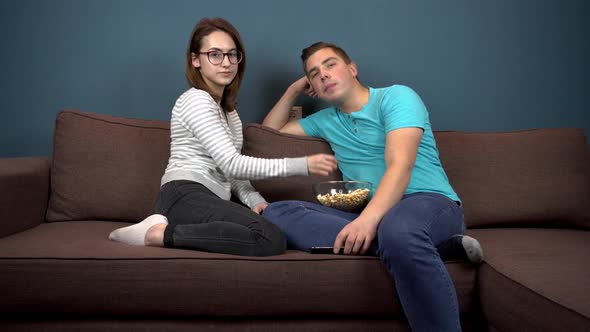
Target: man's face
(329, 75)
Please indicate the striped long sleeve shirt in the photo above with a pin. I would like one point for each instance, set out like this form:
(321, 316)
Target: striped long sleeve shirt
(205, 148)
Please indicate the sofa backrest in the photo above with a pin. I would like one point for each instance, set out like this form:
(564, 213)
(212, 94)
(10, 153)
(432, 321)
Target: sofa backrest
(537, 177)
(526, 178)
(109, 168)
(264, 142)
(106, 167)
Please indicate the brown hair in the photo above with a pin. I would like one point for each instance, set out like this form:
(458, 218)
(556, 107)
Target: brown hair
(309, 51)
(203, 28)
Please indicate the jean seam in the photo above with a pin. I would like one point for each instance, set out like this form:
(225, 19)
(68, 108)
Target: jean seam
(439, 212)
(222, 240)
(449, 284)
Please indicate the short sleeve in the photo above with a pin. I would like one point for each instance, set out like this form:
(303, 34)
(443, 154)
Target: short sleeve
(310, 124)
(401, 107)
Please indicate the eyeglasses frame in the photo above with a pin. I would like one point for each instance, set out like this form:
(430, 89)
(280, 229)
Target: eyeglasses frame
(239, 53)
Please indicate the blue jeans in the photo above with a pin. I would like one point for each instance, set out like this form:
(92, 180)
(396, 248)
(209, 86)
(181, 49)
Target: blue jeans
(406, 240)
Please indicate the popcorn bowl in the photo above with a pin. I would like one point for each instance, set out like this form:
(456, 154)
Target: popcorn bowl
(349, 196)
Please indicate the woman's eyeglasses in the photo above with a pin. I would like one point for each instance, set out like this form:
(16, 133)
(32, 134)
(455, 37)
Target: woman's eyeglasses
(217, 57)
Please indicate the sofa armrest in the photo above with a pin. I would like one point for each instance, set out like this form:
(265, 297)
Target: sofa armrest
(24, 193)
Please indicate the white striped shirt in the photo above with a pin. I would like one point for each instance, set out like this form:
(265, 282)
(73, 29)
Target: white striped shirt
(206, 149)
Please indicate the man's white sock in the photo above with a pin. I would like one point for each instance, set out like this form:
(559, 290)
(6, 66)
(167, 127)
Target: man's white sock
(135, 234)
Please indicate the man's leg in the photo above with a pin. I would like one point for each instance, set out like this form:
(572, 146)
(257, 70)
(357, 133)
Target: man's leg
(408, 235)
(307, 224)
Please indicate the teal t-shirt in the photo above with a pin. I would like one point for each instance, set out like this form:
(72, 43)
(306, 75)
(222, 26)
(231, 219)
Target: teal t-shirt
(358, 139)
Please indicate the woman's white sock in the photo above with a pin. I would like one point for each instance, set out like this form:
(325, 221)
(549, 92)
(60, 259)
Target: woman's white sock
(135, 234)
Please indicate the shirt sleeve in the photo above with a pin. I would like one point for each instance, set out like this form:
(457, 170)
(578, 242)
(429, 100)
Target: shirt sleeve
(402, 108)
(246, 193)
(199, 113)
(310, 124)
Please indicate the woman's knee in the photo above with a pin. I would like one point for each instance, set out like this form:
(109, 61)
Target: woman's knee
(272, 241)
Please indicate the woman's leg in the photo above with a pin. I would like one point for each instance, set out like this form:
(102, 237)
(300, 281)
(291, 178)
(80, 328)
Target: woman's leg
(199, 220)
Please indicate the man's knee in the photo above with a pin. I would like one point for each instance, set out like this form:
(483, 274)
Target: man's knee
(399, 240)
(393, 234)
(279, 209)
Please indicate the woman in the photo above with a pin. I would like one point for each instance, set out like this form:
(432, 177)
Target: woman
(193, 209)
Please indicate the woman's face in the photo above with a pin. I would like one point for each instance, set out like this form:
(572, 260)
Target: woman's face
(217, 76)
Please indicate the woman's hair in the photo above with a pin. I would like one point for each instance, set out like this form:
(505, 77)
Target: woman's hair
(309, 51)
(203, 28)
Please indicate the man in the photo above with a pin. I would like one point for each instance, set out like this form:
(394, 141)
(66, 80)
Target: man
(382, 136)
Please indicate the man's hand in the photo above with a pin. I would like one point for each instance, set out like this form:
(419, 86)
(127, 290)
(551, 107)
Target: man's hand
(302, 86)
(321, 164)
(356, 237)
(278, 117)
(258, 208)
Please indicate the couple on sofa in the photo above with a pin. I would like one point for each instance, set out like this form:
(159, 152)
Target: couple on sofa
(413, 221)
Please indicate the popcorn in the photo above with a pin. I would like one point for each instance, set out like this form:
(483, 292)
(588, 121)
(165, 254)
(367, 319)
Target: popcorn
(345, 202)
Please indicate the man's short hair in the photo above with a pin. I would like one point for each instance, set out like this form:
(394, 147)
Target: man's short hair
(309, 51)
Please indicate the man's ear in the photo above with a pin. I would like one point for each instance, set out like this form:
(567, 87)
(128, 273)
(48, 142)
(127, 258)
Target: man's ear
(195, 60)
(353, 69)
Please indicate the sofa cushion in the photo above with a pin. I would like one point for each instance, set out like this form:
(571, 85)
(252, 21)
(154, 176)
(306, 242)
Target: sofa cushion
(535, 177)
(535, 279)
(48, 270)
(24, 193)
(106, 167)
(524, 178)
(264, 142)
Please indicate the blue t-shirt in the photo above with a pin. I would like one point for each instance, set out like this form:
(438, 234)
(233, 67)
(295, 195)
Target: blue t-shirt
(358, 139)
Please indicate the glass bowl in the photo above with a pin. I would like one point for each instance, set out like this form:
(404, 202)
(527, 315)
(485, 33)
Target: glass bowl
(349, 196)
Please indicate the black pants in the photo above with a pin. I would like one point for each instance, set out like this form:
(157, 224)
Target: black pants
(200, 220)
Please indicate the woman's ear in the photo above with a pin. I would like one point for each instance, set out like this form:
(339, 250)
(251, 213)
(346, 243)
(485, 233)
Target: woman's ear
(195, 60)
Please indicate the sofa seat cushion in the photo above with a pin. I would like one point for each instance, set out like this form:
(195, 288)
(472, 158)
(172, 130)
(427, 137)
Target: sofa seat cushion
(535, 279)
(72, 269)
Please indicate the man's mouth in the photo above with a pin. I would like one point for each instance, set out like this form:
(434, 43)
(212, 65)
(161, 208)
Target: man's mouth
(329, 86)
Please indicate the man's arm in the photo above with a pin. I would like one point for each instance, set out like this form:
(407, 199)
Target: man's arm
(401, 149)
(278, 117)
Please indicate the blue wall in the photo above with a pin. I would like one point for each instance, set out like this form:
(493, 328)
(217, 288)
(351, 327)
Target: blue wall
(478, 65)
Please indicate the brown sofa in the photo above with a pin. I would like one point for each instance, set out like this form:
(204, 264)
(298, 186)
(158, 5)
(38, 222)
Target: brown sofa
(526, 196)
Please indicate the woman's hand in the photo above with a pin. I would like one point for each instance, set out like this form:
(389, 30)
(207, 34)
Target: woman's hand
(321, 164)
(258, 208)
